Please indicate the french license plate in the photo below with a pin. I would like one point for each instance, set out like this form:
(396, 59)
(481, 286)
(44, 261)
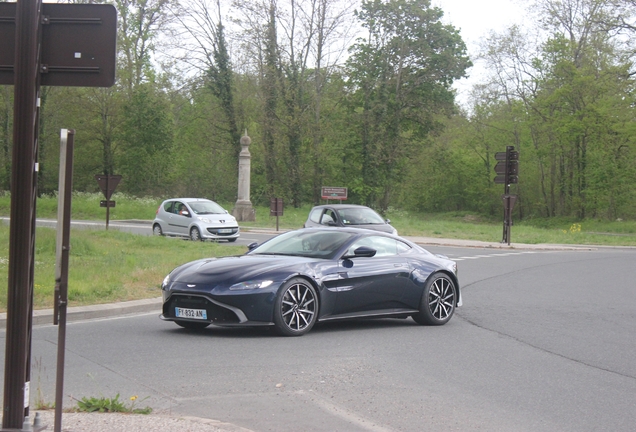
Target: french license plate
(191, 313)
(225, 231)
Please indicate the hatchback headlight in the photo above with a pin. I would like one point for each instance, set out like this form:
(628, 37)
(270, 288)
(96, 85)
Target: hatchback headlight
(204, 220)
(251, 285)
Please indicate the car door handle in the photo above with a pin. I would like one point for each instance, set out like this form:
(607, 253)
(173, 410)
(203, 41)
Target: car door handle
(398, 265)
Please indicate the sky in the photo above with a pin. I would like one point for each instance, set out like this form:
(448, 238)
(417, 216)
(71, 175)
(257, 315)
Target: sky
(475, 19)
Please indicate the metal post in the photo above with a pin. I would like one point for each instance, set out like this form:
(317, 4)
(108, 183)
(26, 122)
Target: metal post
(506, 226)
(107, 201)
(63, 248)
(22, 233)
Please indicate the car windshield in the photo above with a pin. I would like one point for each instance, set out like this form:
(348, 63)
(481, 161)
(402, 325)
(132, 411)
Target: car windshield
(359, 216)
(306, 243)
(206, 207)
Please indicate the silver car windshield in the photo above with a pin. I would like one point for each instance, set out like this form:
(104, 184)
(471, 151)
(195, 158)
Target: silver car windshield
(309, 243)
(360, 216)
(206, 207)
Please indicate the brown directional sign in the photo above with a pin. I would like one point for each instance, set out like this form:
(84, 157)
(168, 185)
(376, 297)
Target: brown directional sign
(501, 156)
(513, 167)
(276, 207)
(334, 193)
(501, 179)
(78, 44)
(108, 183)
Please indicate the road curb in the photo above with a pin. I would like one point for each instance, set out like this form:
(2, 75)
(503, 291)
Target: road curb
(79, 313)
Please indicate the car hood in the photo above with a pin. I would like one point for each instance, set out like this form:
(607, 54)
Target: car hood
(238, 268)
(216, 217)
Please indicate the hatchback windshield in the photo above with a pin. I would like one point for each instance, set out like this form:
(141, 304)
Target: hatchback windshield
(206, 207)
(360, 216)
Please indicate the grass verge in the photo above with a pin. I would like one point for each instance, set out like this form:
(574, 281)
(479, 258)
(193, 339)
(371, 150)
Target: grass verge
(107, 266)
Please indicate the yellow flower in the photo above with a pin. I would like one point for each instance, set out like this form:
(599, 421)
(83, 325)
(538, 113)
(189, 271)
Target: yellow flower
(133, 398)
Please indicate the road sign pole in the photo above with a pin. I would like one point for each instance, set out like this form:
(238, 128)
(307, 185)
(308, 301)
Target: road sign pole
(22, 234)
(107, 206)
(63, 247)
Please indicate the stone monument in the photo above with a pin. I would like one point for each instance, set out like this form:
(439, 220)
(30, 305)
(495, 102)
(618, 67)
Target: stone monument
(243, 210)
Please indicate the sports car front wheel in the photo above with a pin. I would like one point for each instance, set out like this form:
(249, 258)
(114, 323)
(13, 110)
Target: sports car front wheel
(296, 308)
(438, 301)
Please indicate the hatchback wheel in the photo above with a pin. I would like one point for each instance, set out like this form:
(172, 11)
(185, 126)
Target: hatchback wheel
(156, 230)
(195, 235)
(438, 301)
(296, 308)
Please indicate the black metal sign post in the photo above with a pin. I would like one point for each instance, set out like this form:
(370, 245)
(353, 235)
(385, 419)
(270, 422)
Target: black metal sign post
(22, 241)
(40, 44)
(63, 248)
(276, 208)
(508, 173)
(108, 184)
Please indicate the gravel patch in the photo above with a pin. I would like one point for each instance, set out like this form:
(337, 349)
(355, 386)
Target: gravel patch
(119, 422)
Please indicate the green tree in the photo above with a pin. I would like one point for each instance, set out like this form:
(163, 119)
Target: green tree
(401, 74)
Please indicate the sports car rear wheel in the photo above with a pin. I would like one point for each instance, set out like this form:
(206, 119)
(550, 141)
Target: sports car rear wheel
(296, 308)
(195, 235)
(192, 325)
(438, 301)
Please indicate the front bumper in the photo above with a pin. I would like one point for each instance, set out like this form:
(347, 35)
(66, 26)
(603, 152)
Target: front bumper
(245, 310)
(216, 232)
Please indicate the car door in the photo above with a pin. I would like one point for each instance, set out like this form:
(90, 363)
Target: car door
(375, 284)
(180, 221)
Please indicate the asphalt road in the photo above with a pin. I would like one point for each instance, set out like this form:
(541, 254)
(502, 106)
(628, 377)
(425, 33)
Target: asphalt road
(544, 342)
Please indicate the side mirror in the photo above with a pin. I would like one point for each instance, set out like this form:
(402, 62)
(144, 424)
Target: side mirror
(185, 213)
(252, 246)
(388, 221)
(362, 252)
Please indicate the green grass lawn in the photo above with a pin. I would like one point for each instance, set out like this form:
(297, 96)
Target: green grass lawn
(108, 266)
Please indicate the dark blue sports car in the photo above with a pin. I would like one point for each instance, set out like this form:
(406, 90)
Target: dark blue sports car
(301, 277)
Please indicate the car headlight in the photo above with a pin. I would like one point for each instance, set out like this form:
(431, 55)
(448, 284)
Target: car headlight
(247, 285)
(165, 282)
(204, 220)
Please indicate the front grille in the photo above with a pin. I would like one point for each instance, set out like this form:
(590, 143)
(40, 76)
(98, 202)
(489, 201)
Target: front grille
(215, 231)
(215, 313)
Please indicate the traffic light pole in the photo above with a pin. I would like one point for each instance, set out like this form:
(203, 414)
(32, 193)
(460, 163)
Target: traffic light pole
(507, 169)
(507, 210)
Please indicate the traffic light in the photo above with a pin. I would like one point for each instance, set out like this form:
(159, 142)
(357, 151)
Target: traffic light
(507, 168)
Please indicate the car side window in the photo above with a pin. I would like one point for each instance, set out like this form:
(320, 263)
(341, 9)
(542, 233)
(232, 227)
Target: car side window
(179, 208)
(167, 207)
(383, 245)
(315, 215)
(402, 247)
(328, 218)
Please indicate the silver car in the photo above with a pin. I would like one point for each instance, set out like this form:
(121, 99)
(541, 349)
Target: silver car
(196, 218)
(348, 215)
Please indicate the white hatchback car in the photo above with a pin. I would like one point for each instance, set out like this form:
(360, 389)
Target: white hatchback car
(196, 218)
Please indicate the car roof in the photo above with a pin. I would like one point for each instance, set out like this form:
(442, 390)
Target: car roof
(187, 199)
(351, 230)
(341, 206)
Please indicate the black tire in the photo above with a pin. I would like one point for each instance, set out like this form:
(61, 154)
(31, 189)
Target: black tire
(192, 325)
(438, 301)
(296, 308)
(232, 240)
(195, 234)
(156, 230)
